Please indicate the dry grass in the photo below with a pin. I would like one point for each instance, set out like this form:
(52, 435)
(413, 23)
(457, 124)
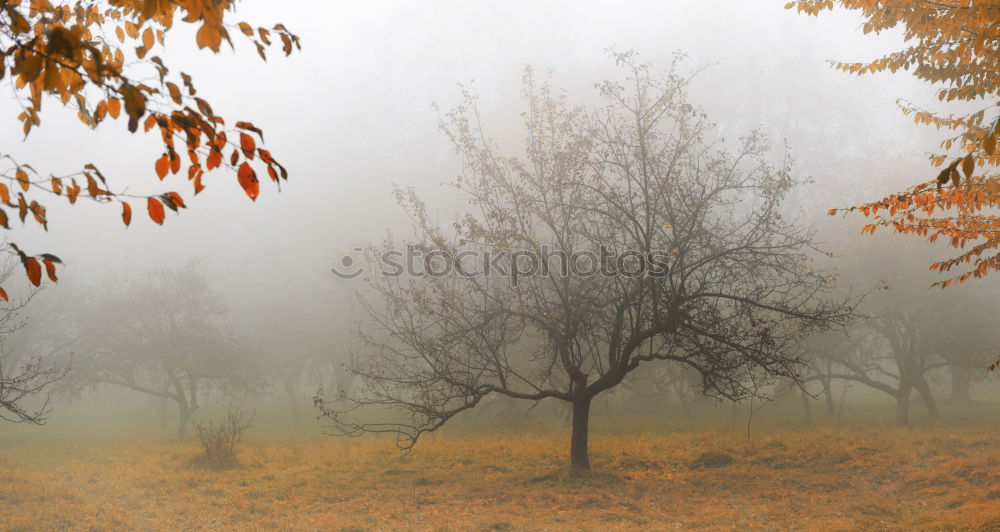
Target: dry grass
(817, 479)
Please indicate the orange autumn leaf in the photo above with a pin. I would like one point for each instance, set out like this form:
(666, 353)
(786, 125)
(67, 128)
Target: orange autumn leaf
(50, 270)
(61, 56)
(248, 180)
(114, 107)
(248, 145)
(198, 187)
(175, 163)
(155, 209)
(947, 45)
(33, 269)
(22, 179)
(175, 199)
(162, 166)
(214, 159)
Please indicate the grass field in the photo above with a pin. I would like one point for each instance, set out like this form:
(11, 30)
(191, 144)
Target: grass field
(822, 477)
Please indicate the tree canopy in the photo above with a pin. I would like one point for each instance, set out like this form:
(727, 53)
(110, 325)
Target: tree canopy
(665, 247)
(954, 44)
(102, 60)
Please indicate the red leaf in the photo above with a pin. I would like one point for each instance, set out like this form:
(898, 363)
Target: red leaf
(175, 163)
(3, 294)
(248, 180)
(50, 269)
(162, 166)
(214, 159)
(248, 145)
(155, 209)
(176, 198)
(198, 187)
(33, 269)
(126, 213)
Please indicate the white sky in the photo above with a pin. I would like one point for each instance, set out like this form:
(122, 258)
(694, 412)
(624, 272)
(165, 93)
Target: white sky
(351, 114)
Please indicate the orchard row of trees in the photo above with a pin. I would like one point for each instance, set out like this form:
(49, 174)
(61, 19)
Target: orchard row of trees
(743, 304)
(167, 336)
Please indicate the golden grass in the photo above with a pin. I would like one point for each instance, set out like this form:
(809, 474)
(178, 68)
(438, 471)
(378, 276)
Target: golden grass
(818, 479)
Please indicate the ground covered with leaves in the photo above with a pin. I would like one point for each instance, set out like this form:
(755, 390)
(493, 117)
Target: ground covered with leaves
(821, 477)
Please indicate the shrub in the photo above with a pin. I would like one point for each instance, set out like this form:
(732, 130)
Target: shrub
(220, 439)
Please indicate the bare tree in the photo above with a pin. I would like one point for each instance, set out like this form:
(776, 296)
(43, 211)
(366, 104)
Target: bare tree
(163, 337)
(691, 261)
(897, 351)
(912, 332)
(887, 354)
(17, 388)
(25, 381)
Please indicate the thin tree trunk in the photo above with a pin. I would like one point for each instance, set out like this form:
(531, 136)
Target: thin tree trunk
(579, 458)
(185, 420)
(927, 397)
(185, 406)
(903, 407)
(828, 397)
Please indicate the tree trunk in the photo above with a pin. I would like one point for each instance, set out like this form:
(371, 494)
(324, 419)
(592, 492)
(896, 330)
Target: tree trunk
(903, 408)
(828, 398)
(185, 407)
(185, 420)
(961, 382)
(578, 457)
(927, 397)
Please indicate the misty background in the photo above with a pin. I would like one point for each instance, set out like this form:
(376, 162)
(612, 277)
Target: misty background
(352, 115)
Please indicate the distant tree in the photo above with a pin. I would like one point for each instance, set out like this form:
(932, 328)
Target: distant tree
(163, 337)
(302, 344)
(817, 355)
(100, 60)
(955, 44)
(635, 177)
(25, 382)
(890, 354)
(910, 335)
(966, 339)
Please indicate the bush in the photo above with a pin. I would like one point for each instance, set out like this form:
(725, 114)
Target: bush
(220, 439)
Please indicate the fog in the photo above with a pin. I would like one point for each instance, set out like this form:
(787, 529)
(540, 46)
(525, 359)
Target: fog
(361, 111)
(352, 114)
